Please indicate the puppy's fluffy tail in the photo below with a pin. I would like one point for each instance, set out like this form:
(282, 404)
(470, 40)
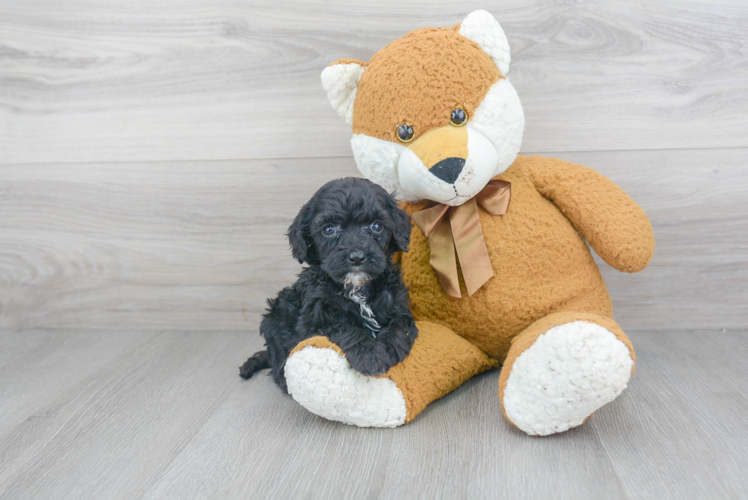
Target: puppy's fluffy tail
(258, 361)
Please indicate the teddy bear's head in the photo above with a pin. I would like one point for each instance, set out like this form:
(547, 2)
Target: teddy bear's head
(433, 115)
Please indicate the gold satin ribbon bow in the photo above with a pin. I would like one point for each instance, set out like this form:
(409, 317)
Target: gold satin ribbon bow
(462, 230)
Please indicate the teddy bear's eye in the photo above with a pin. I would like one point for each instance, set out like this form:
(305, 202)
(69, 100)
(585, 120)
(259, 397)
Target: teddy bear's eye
(458, 118)
(404, 132)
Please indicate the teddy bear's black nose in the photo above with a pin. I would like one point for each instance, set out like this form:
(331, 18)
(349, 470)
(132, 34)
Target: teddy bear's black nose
(448, 169)
(356, 257)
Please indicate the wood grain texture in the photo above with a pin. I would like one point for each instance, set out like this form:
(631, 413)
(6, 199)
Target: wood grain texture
(170, 418)
(695, 200)
(132, 80)
(111, 434)
(41, 364)
(148, 244)
(153, 154)
(201, 245)
(698, 423)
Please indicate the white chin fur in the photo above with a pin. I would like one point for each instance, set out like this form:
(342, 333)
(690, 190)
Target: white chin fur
(499, 121)
(356, 280)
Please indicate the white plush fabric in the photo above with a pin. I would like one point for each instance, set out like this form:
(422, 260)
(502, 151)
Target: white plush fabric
(377, 160)
(324, 383)
(340, 81)
(501, 120)
(568, 373)
(482, 28)
(417, 183)
(480, 167)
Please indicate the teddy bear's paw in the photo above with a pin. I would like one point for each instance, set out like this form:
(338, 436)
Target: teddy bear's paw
(564, 376)
(323, 382)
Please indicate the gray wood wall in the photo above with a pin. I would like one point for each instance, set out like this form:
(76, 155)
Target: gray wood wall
(152, 154)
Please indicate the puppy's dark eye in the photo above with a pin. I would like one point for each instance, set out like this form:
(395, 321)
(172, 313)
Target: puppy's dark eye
(376, 227)
(329, 231)
(405, 132)
(458, 117)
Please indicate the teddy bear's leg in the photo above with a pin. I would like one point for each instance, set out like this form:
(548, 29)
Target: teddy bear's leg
(321, 379)
(561, 369)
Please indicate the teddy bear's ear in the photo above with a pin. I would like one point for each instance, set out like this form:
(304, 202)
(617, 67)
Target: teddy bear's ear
(340, 80)
(482, 28)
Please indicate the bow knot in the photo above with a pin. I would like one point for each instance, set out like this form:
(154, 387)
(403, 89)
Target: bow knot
(459, 227)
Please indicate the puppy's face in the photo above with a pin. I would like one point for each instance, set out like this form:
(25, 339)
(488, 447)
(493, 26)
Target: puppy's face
(349, 228)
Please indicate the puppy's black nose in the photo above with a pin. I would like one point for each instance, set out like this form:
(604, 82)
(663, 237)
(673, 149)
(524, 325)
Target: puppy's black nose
(356, 257)
(448, 169)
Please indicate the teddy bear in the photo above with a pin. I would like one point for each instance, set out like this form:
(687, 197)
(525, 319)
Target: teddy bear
(499, 269)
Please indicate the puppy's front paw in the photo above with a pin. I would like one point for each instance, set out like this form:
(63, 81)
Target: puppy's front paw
(399, 345)
(372, 358)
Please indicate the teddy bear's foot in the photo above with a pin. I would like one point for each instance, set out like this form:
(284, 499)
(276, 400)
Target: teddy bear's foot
(559, 372)
(320, 378)
(322, 381)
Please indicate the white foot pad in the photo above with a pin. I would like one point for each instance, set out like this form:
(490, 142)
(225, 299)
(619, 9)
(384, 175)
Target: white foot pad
(323, 382)
(569, 372)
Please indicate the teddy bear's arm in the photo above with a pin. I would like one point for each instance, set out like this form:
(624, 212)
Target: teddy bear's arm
(613, 224)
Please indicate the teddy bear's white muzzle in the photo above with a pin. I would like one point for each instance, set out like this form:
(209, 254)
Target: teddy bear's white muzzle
(478, 168)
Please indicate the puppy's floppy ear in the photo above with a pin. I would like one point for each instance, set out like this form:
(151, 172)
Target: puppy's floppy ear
(298, 233)
(400, 225)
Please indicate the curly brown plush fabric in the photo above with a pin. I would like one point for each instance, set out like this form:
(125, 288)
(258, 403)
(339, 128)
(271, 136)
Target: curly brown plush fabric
(609, 220)
(440, 143)
(391, 90)
(439, 363)
(541, 262)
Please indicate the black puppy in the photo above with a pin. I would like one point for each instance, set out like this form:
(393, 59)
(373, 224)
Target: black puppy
(351, 292)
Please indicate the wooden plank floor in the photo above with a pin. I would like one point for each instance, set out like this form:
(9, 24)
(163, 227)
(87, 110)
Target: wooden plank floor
(165, 415)
(152, 155)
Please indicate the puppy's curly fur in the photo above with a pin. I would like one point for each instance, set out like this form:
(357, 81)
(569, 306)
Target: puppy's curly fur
(351, 292)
